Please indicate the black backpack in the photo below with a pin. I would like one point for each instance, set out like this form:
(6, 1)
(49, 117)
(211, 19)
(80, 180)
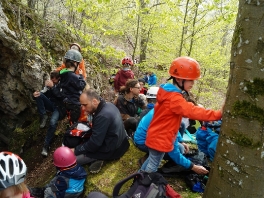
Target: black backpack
(145, 185)
(75, 136)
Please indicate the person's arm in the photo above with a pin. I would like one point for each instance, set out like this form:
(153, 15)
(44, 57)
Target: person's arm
(99, 130)
(178, 158)
(122, 108)
(61, 67)
(82, 67)
(116, 82)
(180, 106)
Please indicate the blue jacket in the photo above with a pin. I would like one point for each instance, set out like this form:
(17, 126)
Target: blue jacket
(152, 80)
(175, 154)
(68, 183)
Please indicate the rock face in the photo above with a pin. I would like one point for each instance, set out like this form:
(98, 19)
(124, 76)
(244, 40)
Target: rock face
(29, 51)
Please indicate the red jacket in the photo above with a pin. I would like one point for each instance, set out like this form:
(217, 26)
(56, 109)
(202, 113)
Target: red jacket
(121, 77)
(168, 113)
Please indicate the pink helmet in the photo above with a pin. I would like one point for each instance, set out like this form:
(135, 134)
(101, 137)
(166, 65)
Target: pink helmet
(63, 157)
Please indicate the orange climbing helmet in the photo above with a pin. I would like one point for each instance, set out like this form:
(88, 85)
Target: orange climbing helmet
(185, 68)
(76, 44)
(127, 60)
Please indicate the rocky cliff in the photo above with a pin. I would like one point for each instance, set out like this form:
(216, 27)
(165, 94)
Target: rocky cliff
(30, 48)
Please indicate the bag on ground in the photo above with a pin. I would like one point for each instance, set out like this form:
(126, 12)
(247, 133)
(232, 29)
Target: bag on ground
(146, 185)
(76, 134)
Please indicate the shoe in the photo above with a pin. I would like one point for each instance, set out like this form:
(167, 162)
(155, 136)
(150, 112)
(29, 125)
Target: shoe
(43, 121)
(96, 166)
(45, 151)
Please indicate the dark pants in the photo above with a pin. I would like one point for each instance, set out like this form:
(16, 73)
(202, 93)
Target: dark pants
(52, 127)
(44, 104)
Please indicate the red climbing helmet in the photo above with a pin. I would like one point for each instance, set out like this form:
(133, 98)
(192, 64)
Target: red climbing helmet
(128, 61)
(76, 44)
(63, 157)
(185, 68)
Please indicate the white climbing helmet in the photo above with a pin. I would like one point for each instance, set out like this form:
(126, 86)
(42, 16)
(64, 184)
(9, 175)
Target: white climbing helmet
(152, 92)
(12, 170)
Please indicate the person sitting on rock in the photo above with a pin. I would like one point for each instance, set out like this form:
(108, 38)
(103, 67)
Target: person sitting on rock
(108, 140)
(76, 46)
(130, 105)
(50, 99)
(13, 172)
(72, 85)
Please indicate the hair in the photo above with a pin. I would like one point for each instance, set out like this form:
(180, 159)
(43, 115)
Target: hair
(17, 189)
(91, 94)
(70, 63)
(55, 74)
(129, 84)
(141, 80)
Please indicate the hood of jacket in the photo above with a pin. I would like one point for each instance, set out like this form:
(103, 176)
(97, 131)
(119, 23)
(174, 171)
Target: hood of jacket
(166, 90)
(77, 172)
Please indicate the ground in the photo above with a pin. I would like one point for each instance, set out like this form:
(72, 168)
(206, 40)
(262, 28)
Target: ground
(41, 170)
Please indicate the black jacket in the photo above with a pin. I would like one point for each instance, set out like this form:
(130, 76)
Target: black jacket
(108, 140)
(129, 108)
(71, 86)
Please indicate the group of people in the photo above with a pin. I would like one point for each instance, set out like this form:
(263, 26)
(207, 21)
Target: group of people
(152, 124)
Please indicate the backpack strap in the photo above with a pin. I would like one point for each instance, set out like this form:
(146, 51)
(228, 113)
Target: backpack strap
(129, 193)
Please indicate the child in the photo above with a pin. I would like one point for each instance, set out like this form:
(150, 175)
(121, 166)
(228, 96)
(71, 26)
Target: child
(12, 175)
(72, 85)
(124, 74)
(170, 108)
(70, 178)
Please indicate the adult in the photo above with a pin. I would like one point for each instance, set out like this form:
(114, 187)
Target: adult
(152, 80)
(130, 105)
(76, 46)
(123, 74)
(13, 172)
(50, 99)
(108, 140)
(71, 84)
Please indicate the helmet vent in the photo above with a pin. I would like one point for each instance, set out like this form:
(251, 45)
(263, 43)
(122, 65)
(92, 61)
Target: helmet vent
(11, 167)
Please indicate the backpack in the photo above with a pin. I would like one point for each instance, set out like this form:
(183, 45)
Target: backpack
(146, 185)
(76, 134)
(196, 182)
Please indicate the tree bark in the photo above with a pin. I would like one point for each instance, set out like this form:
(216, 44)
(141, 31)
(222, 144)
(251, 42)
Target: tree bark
(238, 167)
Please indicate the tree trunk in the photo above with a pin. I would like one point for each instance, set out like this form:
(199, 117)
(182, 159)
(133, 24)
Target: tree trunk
(237, 170)
(31, 4)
